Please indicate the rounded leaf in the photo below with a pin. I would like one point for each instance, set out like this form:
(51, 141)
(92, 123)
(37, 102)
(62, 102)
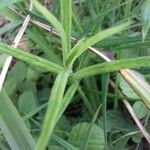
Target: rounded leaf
(32, 74)
(126, 89)
(27, 102)
(96, 140)
(140, 109)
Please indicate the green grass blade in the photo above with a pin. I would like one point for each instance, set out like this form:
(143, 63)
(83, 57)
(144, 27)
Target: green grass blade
(52, 19)
(112, 66)
(12, 126)
(10, 14)
(82, 45)
(67, 98)
(9, 26)
(127, 9)
(6, 3)
(31, 59)
(39, 38)
(53, 109)
(118, 41)
(145, 12)
(87, 134)
(63, 142)
(134, 45)
(76, 21)
(112, 96)
(141, 87)
(33, 112)
(105, 84)
(86, 101)
(66, 19)
(124, 136)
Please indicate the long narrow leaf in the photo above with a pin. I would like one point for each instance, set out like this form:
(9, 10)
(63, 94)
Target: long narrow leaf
(6, 3)
(66, 19)
(64, 143)
(67, 98)
(33, 112)
(43, 44)
(112, 66)
(141, 87)
(86, 101)
(52, 19)
(12, 126)
(105, 84)
(87, 134)
(9, 26)
(83, 45)
(54, 106)
(31, 59)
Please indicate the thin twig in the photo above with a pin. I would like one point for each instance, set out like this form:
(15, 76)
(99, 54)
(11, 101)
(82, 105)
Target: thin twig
(15, 44)
(137, 121)
(145, 124)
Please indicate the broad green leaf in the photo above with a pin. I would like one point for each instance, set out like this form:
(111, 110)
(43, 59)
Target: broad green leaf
(145, 12)
(18, 72)
(136, 137)
(64, 125)
(10, 85)
(82, 45)
(31, 59)
(32, 74)
(27, 102)
(96, 140)
(54, 106)
(28, 85)
(66, 19)
(15, 77)
(140, 109)
(112, 66)
(116, 121)
(138, 83)
(7, 3)
(12, 126)
(126, 89)
(122, 143)
(52, 19)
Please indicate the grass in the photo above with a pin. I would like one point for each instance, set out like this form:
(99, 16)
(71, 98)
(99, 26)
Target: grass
(69, 105)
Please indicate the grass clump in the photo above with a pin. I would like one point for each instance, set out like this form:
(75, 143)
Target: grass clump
(62, 96)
